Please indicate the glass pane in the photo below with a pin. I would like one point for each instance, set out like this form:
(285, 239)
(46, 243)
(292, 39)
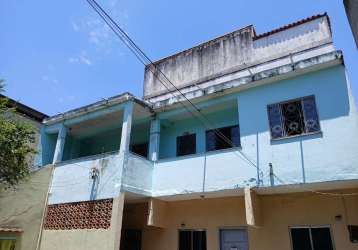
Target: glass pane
(301, 239)
(185, 240)
(321, 238)
(310, 114)
(199, 240)
(276, 127)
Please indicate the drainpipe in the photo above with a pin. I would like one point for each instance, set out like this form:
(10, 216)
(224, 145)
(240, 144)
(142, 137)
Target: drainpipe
(272, 177)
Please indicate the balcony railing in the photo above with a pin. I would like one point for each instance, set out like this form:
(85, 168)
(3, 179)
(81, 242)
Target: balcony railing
(137, 174)
(72, 180)
(206, 172)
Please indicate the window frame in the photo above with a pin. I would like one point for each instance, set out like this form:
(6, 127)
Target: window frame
(310, 233)
(300, 99)
(230, 126)
(177, 148)
(350, 227)
(221, 228)
(192, 231)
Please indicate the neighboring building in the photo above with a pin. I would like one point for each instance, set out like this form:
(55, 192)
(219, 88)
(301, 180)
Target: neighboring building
(22, 208)
(269, 163)
(351, 7)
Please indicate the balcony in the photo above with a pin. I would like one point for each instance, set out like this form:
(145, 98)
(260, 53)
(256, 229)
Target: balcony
(202, 173)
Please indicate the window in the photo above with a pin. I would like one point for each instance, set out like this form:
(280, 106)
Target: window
(186, 144)
(353, 233)
(7, 243)
(192, 240)
(215, 140)
(292, 118)
(140, 149)
(311, 238)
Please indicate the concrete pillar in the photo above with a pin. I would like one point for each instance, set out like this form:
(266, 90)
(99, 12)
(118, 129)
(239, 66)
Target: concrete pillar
(157, 213)
(60, 144)
(126, 128)
(154, 140)
(252, 208)
(116, 220)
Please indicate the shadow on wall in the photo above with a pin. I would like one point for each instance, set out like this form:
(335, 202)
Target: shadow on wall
(329, 87)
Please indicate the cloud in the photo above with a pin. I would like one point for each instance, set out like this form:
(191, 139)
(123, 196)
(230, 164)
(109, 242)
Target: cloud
(51, 82)
(81, 59)
(47, 78)
(97, 31)
(69, 98)
(75, 26)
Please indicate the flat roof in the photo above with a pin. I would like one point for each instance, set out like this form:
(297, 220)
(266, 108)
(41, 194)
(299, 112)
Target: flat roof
(117, 99)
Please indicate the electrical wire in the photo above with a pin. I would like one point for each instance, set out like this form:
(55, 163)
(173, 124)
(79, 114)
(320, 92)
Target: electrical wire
(317, 192)
(147, 62)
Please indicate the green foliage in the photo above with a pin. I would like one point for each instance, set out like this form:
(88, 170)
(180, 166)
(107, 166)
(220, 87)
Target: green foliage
(16, 138)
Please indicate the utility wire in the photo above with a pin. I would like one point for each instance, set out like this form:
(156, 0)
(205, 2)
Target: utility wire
(317, 192)
(147, 62)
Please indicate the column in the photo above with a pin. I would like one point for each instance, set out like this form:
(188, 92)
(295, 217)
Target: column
(60, 144)
(252, 208)
(126, 128)
(154, 140)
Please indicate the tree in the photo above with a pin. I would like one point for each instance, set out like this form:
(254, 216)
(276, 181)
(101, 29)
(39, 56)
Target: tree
(16, 137)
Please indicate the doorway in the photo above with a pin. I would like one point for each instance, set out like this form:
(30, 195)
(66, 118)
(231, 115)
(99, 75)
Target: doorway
(131, 239)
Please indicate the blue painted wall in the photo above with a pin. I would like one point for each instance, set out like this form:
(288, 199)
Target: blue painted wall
(171, 129)
(103, 142)
(330, 155)
(46, 147)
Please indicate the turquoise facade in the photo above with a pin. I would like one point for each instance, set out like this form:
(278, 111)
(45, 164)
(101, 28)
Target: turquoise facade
(224, 114)
(330, 155)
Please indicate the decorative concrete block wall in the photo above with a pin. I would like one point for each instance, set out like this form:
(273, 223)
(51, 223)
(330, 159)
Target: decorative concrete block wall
(79, 215)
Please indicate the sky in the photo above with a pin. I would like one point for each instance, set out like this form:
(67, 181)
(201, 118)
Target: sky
(59, 55)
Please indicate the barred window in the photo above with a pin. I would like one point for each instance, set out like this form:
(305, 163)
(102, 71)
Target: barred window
(192, 240)
(222, 138)
(186, 144)
(311, 238)
(294, 117)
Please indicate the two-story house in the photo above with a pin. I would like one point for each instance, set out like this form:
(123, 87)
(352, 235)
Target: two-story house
(247, 141)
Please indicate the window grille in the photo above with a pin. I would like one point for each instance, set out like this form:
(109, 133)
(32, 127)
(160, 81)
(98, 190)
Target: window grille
(215, 140)
(292, 118)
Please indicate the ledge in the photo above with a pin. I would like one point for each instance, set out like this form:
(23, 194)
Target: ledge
(234, 82)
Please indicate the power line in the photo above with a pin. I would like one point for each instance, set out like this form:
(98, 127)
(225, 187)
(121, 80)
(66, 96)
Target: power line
(317, 192)
(145, 60)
